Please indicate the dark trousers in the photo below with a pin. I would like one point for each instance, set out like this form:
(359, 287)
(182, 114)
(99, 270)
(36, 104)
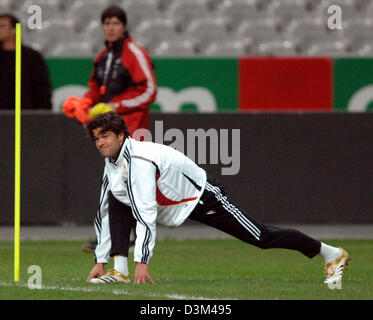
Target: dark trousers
(216, 210)
(121, 222)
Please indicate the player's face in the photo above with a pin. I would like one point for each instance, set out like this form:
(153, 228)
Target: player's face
(113, 29)
(108, 143)
(6, 30)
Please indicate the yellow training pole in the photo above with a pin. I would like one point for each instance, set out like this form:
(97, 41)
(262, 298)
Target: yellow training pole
(17, 165)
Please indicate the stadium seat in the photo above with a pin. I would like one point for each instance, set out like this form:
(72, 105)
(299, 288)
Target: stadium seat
(366, 6)
(264, 4)
(213, 4)
(143, 40)
(157, 28)
(139, 11)
(138, 3)
(307, 31)
(90, 25)
(175, 48)
(68, 5)
(15, 5)
(87, 9)
(276, 47)
(215, 43)
(337, 48)
(86, 15)
(288, 9)
(208, 28)
(308, 28)
(366, 50)
(359, 29)
(60, 27)
(240, 10)
(185, 11)
(228, 48)
(5, 5)
(258, 28)
(36, 41)
(97, 40)
(163, 4)
(73, 49)
(311, 5)
(238, 7)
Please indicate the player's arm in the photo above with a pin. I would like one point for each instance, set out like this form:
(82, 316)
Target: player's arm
(101, 225)
(141, 187)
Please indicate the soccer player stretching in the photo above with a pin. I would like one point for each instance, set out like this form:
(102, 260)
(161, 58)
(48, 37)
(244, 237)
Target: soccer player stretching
(158, 184)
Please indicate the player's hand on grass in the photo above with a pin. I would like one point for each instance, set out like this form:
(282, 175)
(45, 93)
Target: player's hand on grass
(97, 271)
(142, 274)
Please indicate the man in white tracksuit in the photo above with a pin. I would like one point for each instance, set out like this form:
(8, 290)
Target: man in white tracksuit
(145, 183)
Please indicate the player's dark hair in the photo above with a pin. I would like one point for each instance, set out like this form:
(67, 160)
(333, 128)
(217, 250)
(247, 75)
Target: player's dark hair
(114, 11)
(13, 19)
(108, 121)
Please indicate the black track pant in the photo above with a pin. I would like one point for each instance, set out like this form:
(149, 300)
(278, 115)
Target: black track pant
(121, 222)
(217, 211)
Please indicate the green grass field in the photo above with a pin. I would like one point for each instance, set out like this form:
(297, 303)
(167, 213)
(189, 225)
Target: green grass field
(188, 270)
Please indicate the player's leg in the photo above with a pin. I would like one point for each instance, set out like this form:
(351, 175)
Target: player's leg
(219, 212)
(216, 210)
(121, 223)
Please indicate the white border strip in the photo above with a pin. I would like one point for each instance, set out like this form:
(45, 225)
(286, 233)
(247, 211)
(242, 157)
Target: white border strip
(100, 289)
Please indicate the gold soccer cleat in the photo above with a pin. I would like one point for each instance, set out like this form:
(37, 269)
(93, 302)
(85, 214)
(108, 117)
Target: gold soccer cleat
(112, 276)
(335, 270)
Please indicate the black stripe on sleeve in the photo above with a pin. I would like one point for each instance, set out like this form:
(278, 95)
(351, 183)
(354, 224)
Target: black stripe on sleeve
(145, 246)
(98, 218)
(193, 182)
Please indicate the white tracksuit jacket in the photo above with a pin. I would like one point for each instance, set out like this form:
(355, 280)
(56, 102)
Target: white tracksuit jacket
(159, 183)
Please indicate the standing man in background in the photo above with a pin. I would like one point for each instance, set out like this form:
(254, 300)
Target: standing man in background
(36, 87)
(122, 80)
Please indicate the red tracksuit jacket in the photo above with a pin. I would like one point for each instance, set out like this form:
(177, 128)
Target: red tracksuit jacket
(123, 75)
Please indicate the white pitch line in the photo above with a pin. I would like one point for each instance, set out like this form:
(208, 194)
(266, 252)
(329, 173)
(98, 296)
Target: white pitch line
(115, 292)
